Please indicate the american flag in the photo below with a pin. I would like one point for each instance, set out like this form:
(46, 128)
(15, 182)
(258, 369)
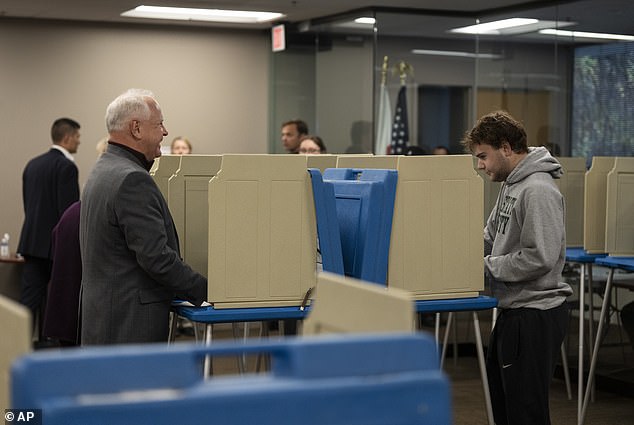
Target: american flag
(400, 127)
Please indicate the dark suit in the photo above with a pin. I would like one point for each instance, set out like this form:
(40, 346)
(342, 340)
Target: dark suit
(130, 255)
(49, 186)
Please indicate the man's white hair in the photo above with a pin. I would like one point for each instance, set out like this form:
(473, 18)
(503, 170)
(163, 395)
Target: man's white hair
(126, 107)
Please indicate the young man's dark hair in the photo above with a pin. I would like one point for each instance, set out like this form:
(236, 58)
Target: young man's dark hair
(494, 129)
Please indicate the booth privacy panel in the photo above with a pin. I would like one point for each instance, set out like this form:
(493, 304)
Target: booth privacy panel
(436, 247)
(262, 231)
(187, 201)
(619, 228)
(163, 169)
(594, 204)
(571, 186)
(15, 342)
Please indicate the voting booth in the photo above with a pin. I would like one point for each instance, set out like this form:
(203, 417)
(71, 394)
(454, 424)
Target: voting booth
(347, 305)
(187, 201)
(594, 204)
(262, 231)
(436, 243)
(571, 186)
(15, 342)
(619, 213)
(321, 162)
(163, 169)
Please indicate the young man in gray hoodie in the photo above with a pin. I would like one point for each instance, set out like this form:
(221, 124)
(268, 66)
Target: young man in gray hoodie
(524, 254)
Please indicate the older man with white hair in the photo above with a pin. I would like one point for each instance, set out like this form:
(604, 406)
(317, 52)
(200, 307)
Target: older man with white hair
(131, 264)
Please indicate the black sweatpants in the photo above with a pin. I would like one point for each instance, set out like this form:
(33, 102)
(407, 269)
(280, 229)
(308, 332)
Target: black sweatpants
(523, 350)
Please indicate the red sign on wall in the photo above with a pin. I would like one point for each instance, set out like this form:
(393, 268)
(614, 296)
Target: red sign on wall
(278, 38)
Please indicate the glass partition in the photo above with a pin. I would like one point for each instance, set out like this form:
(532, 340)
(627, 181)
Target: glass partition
(452, 77)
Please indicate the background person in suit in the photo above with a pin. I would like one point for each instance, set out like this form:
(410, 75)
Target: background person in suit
(131, 267)
(49, 186)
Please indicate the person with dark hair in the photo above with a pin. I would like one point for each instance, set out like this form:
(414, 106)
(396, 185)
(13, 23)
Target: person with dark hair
(131, 263)
(524, 255)
(49, 185)
(292, 131)
(311, 145)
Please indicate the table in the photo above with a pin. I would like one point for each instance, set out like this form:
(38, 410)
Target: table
(474, 305)
(209, 316)
(579, 255)
(10, 276)
(624, 263)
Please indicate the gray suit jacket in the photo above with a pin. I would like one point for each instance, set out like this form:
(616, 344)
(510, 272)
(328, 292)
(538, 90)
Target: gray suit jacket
(130, 255)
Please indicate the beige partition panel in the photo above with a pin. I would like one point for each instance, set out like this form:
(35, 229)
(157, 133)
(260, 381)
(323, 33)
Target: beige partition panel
(262, 231)
(437, 244)
(348, 305)
(571, 185)
(594, 204)
(322, 161)
(619, 227)
(436, 248)
(15, 342)
(163, 169)
(187, 200)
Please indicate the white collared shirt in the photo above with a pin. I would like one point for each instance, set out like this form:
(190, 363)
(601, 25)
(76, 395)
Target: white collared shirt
(64, 151)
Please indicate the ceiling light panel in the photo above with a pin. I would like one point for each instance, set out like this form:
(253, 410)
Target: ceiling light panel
(210, 15)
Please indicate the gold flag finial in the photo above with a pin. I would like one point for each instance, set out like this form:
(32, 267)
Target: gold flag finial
(384, 70)
(404, 69)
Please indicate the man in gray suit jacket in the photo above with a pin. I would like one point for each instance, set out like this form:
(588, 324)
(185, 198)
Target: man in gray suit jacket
(129, 247)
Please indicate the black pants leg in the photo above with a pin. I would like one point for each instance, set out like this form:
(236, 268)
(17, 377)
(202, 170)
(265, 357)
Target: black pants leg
(36, 274)
(521, 358)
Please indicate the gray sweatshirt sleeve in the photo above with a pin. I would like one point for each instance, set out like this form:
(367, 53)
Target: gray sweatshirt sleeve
(540, 218)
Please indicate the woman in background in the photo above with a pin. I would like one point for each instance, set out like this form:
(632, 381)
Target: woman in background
(311, 145)
(181, 146)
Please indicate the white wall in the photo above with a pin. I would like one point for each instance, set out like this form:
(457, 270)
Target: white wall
(212, 86)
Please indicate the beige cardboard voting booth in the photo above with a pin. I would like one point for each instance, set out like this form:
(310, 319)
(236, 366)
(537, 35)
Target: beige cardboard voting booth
(350, 305)
(163, 169)
(187, 201)
(594, 204)
(436, 248)
(571, 185)
(321, 161)
(15, 342)
(619, 228)
(262, 231)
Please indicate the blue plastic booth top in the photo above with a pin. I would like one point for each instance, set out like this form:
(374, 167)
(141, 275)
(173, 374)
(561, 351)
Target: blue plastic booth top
(364, 200)
(389, 379)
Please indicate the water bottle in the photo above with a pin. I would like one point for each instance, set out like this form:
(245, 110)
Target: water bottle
(4, 246)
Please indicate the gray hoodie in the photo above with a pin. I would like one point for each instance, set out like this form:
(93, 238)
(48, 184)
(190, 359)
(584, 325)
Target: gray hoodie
(525, 237)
